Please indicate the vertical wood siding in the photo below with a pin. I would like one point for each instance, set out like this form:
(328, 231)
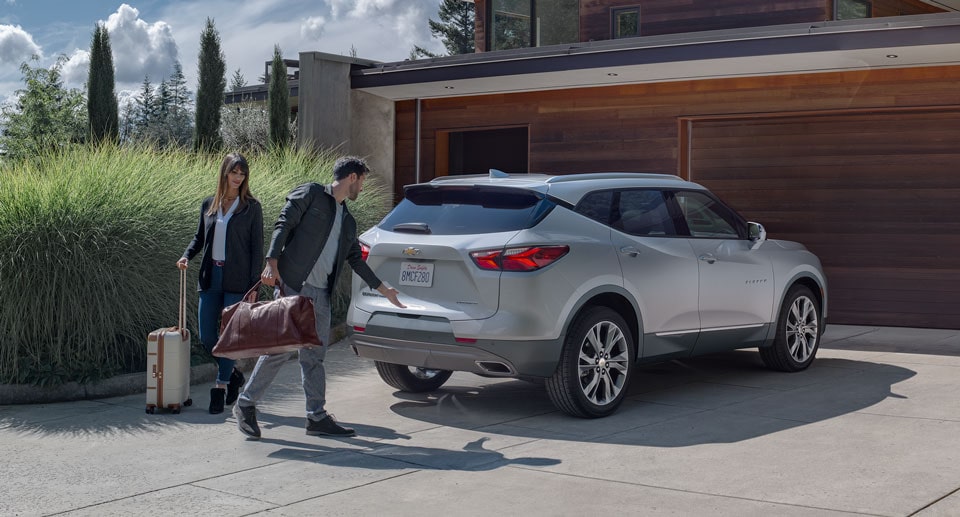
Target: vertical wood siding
(636, 128)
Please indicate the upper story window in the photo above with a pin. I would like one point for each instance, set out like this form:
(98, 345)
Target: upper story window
(533, 23)
(625, 22)
(851, 9)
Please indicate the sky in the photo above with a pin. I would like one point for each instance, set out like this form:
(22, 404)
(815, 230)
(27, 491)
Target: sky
(148, 36)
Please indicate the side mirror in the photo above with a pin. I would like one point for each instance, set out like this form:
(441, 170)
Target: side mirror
(756, 233)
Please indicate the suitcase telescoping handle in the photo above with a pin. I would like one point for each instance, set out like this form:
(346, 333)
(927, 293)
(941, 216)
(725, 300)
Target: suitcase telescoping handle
(182, 309)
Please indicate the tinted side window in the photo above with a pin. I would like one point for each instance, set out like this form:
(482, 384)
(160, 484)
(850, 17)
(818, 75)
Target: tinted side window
(706, 217)
(460, 210)
(596, 206)
(644, 213)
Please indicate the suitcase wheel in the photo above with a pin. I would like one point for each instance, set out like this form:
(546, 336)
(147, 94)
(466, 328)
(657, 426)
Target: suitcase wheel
(151, 410)
(188, 402)
(175, 409)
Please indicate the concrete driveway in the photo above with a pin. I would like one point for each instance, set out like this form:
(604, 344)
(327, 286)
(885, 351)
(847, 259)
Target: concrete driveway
(872, 428)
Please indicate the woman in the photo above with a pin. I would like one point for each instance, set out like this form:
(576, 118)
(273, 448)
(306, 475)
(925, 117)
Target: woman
(230, 234)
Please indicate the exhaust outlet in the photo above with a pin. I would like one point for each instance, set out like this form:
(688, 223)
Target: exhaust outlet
(495, 368)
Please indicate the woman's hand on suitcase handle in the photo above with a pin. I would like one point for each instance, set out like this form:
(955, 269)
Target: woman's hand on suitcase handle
(182, 263)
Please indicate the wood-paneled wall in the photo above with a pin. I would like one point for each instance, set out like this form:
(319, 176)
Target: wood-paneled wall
(637, 128)
(871, 192)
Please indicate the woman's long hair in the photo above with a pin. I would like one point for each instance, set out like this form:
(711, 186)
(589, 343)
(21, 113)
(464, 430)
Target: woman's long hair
(230, 162)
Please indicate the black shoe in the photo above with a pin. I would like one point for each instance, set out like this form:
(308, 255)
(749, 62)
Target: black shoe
(216, 400)
(247, 420)
(236, 383)
(327, 427)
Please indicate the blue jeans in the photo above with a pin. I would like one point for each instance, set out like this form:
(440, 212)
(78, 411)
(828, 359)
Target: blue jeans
(212, 302)
(312, 373)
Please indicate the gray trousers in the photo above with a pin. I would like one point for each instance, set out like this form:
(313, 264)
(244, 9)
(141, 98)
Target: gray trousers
(311, 360)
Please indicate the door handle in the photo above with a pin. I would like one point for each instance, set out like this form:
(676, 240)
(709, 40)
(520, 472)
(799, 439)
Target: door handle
(708, 258)
(630, 250)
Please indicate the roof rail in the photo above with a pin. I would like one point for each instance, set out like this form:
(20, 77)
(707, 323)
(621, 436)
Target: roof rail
(611, 176)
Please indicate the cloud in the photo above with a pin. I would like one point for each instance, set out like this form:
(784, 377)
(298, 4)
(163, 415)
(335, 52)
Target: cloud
(312, 28)
(140, 48)
(385, 24)
(16, 45)
(77, 67)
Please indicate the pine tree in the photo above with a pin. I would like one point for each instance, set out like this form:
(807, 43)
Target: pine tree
(455, 29)
(46, 115)
(163, 100)
(211, 85)
(237, 81)
(179, 119)
(278, 98)
(179, 93)
(102, 107)
(146, 105)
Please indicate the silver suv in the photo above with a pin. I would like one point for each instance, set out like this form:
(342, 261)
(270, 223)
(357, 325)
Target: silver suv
(577, 279)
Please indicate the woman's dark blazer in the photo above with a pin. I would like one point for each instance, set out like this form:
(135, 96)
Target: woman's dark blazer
(244, 247)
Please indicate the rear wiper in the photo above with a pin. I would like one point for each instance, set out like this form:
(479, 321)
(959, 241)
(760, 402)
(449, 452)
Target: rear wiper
(412, 228)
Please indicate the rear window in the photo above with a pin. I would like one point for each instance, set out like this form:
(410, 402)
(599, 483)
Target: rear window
(460, 210)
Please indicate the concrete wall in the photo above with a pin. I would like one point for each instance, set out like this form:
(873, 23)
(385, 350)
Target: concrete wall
(372, 135)
(332, 116)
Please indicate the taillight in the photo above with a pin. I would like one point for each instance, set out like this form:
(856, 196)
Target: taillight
(529, 258)
(364, 251)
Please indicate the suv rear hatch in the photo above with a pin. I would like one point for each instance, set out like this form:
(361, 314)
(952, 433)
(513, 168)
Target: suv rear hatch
(423, 247)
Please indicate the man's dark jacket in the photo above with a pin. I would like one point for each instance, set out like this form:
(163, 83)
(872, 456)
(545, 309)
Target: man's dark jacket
(301, 232)
(244, 247)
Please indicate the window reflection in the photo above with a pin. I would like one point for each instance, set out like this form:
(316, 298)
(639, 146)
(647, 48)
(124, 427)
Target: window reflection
(533, 23)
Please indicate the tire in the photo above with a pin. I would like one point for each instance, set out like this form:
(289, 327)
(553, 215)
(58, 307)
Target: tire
(798, 332)
(591, 382)
(410, 378)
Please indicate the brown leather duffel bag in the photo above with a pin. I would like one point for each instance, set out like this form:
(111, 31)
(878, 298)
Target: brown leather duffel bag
(251, 328)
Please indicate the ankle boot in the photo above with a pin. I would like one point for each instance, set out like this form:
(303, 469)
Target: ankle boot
(236, 384)
(216, 400)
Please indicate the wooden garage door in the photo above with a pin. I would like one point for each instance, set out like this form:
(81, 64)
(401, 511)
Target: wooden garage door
(875, 194)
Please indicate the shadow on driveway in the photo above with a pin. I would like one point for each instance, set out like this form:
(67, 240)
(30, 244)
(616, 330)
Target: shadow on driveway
(723, 398)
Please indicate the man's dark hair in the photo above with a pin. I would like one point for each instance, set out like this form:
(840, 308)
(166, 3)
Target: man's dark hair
(348, 165)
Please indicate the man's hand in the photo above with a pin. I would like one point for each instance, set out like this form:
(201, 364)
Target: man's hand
(270, 275)
(391, 295)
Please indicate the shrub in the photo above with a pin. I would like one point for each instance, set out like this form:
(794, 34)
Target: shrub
(90, 238)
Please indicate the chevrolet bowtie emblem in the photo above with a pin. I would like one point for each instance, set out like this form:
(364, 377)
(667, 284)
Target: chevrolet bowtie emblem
(411, 251)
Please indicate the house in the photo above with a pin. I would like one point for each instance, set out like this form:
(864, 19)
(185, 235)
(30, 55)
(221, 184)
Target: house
(258, 94)
(833, 123)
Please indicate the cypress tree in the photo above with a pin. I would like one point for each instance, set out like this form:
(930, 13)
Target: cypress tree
(211, 84)
(103, 113)
(278, 97)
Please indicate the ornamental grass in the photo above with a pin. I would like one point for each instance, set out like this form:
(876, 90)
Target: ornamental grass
(90, 237)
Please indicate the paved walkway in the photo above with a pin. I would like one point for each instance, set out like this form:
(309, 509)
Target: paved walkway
(873, 428)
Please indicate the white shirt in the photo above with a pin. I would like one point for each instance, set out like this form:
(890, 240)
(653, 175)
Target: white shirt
(220, 231)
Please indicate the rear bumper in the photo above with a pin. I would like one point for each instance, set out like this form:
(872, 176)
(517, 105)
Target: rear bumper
(489, 358)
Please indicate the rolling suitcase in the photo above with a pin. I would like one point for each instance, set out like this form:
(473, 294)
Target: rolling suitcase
(168, 362)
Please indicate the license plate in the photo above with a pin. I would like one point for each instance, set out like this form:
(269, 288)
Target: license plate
(417, 274)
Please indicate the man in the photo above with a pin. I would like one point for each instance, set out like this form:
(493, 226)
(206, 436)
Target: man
(312, 238)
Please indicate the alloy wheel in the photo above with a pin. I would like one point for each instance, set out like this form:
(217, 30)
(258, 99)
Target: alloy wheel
(802, 329)
(603, 363)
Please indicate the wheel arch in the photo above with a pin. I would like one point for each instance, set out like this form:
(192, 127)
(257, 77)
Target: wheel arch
(817, 287)
(618, 300)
